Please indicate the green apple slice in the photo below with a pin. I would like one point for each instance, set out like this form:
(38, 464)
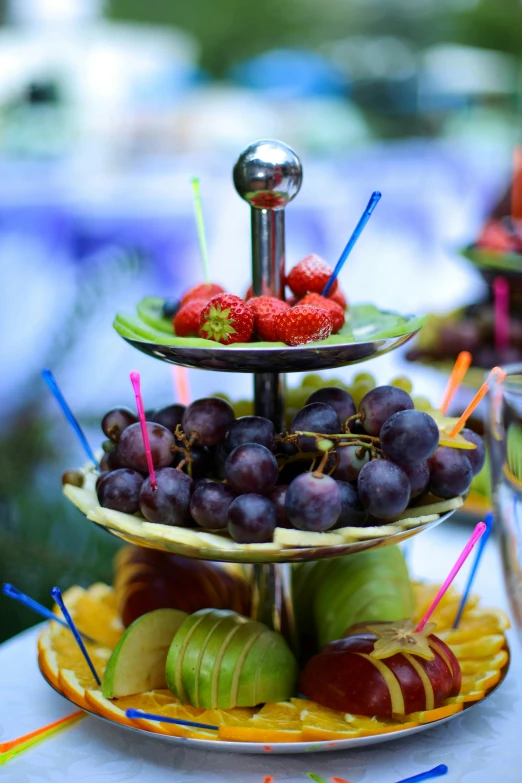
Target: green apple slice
(137, 663)
(212, 626)
(174, 663)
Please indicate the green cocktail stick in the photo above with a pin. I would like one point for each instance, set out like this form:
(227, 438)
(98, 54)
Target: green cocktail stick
(201, 227)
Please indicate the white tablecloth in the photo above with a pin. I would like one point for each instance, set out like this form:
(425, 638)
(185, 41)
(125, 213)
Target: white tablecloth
(483, 745)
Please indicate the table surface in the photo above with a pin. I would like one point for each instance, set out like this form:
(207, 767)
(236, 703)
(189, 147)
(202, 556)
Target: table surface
(480, 746)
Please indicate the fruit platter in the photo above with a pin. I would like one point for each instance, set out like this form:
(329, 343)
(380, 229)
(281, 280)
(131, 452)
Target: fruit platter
(261, 602)
(236, 682)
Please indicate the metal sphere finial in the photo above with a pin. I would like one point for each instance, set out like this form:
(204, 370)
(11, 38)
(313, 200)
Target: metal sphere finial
(268, 174)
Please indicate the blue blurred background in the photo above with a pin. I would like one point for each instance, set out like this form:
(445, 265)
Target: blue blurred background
(107, 109)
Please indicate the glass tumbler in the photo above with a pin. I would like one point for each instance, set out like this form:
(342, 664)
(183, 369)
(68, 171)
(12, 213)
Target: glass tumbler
(504, 442)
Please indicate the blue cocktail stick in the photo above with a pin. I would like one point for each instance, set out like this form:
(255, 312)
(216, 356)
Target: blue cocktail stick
(13, 592)
(374, 198)
(57, 595)
(69, 415)
(488, 521)
(430, 773)
(164, 719)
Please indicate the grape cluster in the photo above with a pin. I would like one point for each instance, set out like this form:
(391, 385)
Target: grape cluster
(339, 464)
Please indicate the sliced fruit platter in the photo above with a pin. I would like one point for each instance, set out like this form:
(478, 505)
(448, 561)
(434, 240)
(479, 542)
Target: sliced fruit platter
(258, 331)
(342, 476)
(170, 644)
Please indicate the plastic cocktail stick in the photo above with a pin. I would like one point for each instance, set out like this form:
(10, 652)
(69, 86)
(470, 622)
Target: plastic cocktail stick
(374, 198)
(10, 744)
(201, 227)
(460, 369)
(133, 714)
(135, 380)
(315, 777)
(479, 530)
(488, 520)
(57, 595)
(12, 592)
(181, 384)
(495, 374)
(41, 737)
(69, 415)
(516, 186)
(430, 773)
(501, 312)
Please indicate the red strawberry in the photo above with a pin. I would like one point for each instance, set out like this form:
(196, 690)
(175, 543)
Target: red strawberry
(250, 292)
(186, 320)
(265, 309)
(202, 291)
(310, 274)
(335, 310)
(226, 319)
(303, 324)
(339, 297)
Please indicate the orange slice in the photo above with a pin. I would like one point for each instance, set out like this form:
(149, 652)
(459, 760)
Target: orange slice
(464, 698)
(283, 710)
(483, 683)
(479, 665)
(427, 716)
(265, 735)
(73, 688)
(484, 647)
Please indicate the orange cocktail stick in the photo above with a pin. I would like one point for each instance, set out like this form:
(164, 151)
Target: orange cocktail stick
(460, 369)
(5, 746)
(180, 381)
(495, 374)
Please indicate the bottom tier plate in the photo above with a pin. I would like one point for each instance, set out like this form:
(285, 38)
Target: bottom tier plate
(282, 748)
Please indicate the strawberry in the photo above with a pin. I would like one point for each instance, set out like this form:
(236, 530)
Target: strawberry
(226, 319)
(202, 291)
(186, 320)
(303, 324)
(339, 297)
(335, 310)
(265, 309)
(310, 274)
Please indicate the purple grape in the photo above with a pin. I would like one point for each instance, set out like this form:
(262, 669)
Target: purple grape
(250, 429)
(169, 503)
(450, 472)
(131, 447)
(120, 490)
(336, 398)
(115, 460)
(100, 477)
(105, 466)
(209, 505)
(202, 461)
(379, 404)
(169, 309)
(418, 476)
(210, 418)
(316, 417)
(477, 456)
(116, 421)
(251, 519)
(383, 489)
(251, 468)
(351, 460)
(409, 437)
(278, 497)
(313, 502)
(352, 512)
(169, 417)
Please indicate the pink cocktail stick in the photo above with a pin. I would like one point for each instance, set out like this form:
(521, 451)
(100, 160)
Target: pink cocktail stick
(501, 306)
(479, 530)
(181, 384)
(135, 380)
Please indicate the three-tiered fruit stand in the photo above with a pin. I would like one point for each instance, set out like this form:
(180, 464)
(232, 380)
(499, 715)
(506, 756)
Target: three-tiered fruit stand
(268, 176)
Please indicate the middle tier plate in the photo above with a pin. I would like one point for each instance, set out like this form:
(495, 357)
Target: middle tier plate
(369, 332)
(210, 545)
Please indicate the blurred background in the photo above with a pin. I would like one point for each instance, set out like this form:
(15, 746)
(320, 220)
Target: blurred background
(107, 109)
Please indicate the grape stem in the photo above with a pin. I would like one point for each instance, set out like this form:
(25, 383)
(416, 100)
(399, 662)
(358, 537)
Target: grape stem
(355, 417)
(355, 435)
(318, 472)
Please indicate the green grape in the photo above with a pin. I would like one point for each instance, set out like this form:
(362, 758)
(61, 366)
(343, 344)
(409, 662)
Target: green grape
(401, 382)
(243, 408)
(422, 403)
(358, 390)
(365, 377)
(314, 380)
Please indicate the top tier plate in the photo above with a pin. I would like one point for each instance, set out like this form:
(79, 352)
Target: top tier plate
(367, 333)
